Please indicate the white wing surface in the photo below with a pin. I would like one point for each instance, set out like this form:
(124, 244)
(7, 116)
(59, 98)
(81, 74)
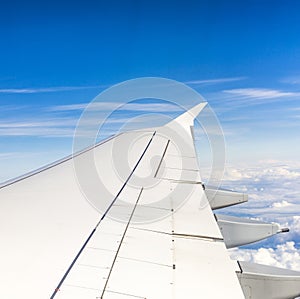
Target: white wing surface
(64, 235)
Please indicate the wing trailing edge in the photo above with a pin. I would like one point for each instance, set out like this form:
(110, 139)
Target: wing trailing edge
(261, 281)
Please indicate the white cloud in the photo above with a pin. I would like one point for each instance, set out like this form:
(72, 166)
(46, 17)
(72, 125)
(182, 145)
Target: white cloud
(281, 204)
(267, 170)
(274, 192)
(38, 123)
(295, 224)
(215, 81)
(60, 127)
(274, 196)
(44, 89)
(71, 107)
(260, 93)
(12, 108)
(66, 126)
(234, 174)
(29, 90)
(284, 255)
(96, 106)
(106, 106)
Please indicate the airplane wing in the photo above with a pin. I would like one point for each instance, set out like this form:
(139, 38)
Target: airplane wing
(144, 231)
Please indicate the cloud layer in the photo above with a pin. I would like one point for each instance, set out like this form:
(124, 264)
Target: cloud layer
(261, 93)
(274, 196)
(283, 255)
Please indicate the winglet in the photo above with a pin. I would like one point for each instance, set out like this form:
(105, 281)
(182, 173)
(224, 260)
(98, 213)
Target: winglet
(186, 119)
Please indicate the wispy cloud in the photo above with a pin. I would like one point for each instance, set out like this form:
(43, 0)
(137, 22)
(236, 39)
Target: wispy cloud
(47, 123)
(11, 108)
(45, 89)
(28, 90)
(104, 106)
(66, 126)
(215, 81)
(71, 107)
(31, 90)
(260, 93)
(291, 80)
(47, 128)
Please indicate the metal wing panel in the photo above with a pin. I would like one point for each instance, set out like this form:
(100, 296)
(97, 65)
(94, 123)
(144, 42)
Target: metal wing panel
(143, 267)
(182, 255)
(42, 227)
(178, 255)
(208, 275)
(195, 217)
(45, 219)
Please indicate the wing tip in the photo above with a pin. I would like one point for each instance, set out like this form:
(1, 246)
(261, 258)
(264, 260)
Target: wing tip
(187, 118)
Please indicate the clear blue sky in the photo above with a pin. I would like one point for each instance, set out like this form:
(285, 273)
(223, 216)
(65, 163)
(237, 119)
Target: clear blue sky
(243, 56)
(104, 42)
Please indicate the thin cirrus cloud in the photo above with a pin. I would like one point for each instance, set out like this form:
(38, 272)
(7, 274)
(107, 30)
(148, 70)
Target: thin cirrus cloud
(45, 123)
(101, 106)
(215, 81)
(260, 93)
(57, 125)
(70, 88)
(44, 89)
(49, 128)
(66, 126)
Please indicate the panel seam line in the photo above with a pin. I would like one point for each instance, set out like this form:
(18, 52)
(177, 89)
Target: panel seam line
(103, 216)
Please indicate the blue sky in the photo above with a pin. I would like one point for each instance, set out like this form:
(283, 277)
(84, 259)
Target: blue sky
(242, 56)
